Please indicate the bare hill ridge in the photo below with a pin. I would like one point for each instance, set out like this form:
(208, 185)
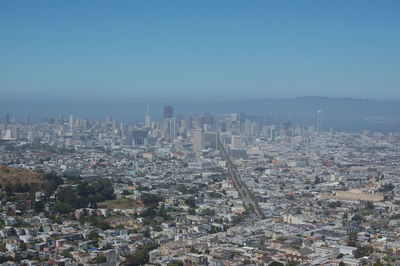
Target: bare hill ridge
(9, 175)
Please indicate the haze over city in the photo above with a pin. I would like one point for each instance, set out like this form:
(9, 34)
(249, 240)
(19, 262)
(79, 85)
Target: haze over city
(201, 132)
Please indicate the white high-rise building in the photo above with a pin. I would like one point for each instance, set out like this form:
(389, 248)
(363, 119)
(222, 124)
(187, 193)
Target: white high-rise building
(247, 127)
(198, 140)
(234, 117)
(8, 134)
(172, 129)
(31, 136)
(318, 121)
(168, 129)
(236, 141)
(147, 118)
(71, 121)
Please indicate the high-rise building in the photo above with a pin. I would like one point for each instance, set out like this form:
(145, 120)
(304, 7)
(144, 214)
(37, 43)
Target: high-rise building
(171, 129)
(114, 124)
(138, 137)
(6, 120)
(247, 127)
(16, 133)
(198, 140)
(61, 120)
(71, 122)
(27, 120)
(273, 134)
(255, 128)
(211, 140)
(189, 122)
(123, 128)
(31, 136)
(207, 122)
(318, 121)
(168, 111)
(147, 118)
(168, 129)
(8, 134)
(234, 117)
(236, 142)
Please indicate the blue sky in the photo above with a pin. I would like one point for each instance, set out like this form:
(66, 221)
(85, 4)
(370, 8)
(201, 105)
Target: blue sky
(208, 49)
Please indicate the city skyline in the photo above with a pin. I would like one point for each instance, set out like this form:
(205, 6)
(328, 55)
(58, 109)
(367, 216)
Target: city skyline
(197, 190)
(347, 114)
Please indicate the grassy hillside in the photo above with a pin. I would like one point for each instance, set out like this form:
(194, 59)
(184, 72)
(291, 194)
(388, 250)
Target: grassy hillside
(21, 176)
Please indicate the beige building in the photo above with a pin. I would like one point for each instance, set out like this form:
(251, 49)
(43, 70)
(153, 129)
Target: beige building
(357, 194)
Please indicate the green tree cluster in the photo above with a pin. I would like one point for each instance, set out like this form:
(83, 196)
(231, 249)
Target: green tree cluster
(97, 221)
(150, 199)
(175, 263)
(62, 208)
(363, 251)
(191, 202)
(86, 194)
(52, 182)
(101, 259)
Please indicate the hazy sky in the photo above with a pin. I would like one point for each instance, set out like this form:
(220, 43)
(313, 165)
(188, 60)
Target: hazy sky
(216, 49)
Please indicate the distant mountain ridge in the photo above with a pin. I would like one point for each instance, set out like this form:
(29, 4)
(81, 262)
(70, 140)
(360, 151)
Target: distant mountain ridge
(346, 114)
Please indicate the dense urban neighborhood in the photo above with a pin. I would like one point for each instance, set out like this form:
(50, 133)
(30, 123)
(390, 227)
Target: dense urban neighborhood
(202, 189)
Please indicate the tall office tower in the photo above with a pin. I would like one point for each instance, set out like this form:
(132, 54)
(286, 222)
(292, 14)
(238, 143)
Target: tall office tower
(265, 131)
(31, 136)
(181, 126)
(168, 129)
(247, 127)
(189, 122)
(236, 142)
(273, 134)
(163, 125)
(211, 140)
(8, 134)
(318, 121)
(85, 123)
(208, 119)
(298, 131)
(147, 118)
(168, 111)
(16, 133)
(123, 128)
(6, 120)
(220, 126)
(171, 129)
(27, 120)
(71, 121)
(198, 122)
(61, 120)
(255, 128)
(234, 117)
(198, 140)
(114, 124)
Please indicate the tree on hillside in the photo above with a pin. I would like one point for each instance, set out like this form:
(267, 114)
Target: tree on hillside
(62, 208)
